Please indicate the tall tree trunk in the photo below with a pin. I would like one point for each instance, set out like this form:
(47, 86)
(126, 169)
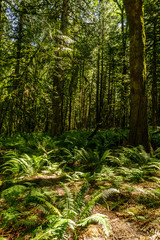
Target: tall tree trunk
(102, 88)
(90, 101)
(123, 91)
(18, 50)
(108, 122)
(1, 27)
(98, 85)
(154, 82)
(138, 118)
(58, 85)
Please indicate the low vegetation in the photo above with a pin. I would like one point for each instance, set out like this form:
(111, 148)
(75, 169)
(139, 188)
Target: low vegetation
(50, 186)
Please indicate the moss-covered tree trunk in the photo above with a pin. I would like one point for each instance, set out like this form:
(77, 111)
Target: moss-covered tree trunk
(138, 116)
(154, 81)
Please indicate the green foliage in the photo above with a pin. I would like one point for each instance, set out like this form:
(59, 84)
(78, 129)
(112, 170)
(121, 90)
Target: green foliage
(98, 218)
(138, 155)
(88, 207)
(73, 215)
(131, 174)
(90, 159)
(77, 176)
(25, 165)
(71, 139)
(11, 194)
(18, 199)
(128, 164)
(105, 140)
(55, 217)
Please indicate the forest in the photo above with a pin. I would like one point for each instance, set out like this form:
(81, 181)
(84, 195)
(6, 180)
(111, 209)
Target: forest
(79, 119)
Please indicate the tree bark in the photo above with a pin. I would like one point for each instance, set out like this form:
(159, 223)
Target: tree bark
(98, 85)
(154, 82)
(124, 72)
(138, 115)
(57, 127)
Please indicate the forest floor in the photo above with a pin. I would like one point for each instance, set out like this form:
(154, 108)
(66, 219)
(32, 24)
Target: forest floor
(128, 219)
(138, 224)
(38, 174)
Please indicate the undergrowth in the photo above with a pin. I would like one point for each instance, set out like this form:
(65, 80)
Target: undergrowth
(99, 164)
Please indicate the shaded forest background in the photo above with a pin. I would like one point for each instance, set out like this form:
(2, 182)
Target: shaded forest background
(65, 65)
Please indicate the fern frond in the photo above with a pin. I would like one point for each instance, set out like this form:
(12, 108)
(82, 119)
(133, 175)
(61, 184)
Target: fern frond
(71, 224)
(10, 215)
(28, 222)
(131, 174)
(97, 218)
(69, 201)
(79, 198)
(57, 228)
(105, 173)
(107, 193)
(82, 154)
(28, 165)
(152, 166)
(53, 208)
(105, 155)
(89, 206)
(43, 234)
(137, 155)
(37, 198)
(114, 161)
(10, 194)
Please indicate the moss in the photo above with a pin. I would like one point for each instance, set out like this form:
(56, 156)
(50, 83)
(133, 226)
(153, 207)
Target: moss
(138, 123)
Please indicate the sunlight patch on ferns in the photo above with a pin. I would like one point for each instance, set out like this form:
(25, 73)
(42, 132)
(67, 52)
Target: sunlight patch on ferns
(97, 218)
(74, 214)
(25, 165)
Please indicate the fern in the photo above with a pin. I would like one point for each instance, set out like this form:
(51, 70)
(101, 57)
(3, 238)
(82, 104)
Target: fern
(79, 198)
(73, 215)
(106, 173)
(152, 167)
(76, 176)
(57, 229)
(30, 221)
(10, 216)
(107, 193)
(69, 203)
(89, 206)
(37, 197)
(83, 156)
(131, 174)
(11, 194)
(98, 218)
(19, 197)
(25, 165)
(137, 155)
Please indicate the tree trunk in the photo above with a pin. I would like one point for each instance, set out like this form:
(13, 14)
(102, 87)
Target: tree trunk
(138, 118)
(98, 85)
(1, 28)
(123, 91)
(154, 82)
(58, 83)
